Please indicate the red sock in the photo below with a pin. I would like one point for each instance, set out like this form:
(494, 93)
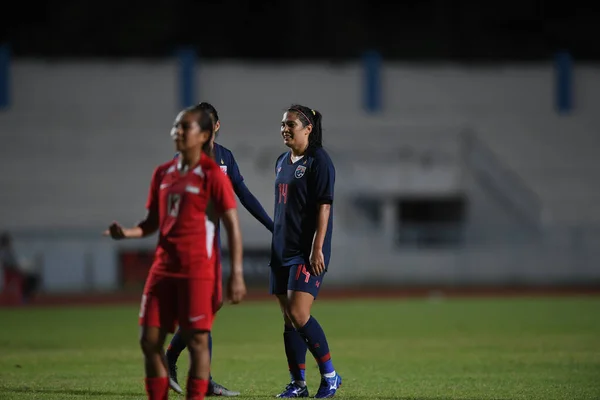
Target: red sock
(196, 388)
(157, 388)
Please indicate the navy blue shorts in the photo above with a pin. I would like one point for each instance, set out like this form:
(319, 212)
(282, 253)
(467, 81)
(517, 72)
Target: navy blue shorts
(294, 277)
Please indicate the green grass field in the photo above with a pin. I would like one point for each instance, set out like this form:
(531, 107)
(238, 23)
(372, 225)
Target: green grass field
(384, 349)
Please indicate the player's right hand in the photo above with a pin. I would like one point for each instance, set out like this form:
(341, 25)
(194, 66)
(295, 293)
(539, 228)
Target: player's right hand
(115, 231)
(236, 288)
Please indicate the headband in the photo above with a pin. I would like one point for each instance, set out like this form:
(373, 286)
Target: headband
(300, 111)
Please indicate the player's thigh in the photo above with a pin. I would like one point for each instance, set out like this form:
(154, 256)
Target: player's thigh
(278, 280)
(301, 280)
(158, 308)
(196, 310)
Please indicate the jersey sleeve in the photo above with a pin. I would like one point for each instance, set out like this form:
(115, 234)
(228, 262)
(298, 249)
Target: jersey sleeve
(234, 172)
(248, 200)
(221, 192)
(324, 178)
(152, 202)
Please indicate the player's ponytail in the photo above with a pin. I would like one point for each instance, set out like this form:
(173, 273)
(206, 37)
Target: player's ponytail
(315, 139)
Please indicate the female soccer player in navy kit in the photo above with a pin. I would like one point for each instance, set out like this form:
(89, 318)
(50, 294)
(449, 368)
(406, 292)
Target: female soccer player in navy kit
(301, 246)
(187, 197)
(226, 161)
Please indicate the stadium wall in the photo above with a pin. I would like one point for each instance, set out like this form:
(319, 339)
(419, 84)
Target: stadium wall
(80, 139)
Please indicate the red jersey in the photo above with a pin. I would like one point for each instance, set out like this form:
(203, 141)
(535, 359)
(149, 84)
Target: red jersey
(184, 203)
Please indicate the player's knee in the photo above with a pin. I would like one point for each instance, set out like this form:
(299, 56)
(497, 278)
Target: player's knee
(149, 343)
(198, 341)
(297, 315)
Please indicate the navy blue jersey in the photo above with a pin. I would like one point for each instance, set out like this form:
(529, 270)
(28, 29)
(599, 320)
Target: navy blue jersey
(300, 188)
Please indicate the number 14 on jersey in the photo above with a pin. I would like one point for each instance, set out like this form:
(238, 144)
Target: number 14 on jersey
(283, 192)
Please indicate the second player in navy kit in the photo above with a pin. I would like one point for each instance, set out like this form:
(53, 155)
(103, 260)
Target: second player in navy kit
(301, 246)
(223, 157)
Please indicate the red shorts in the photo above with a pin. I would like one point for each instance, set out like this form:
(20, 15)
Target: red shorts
(187, 302)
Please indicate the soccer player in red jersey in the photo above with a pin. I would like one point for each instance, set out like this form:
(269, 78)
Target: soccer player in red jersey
(187, 197)
(224, 157)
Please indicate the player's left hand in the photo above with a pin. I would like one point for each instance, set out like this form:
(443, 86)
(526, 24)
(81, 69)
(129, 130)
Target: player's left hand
(317, 262)
(236, 288)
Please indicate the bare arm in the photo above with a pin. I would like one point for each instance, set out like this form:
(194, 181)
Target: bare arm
(322, 222)
(317, 260)
(234, 237)
(236, 287)
(323, 174)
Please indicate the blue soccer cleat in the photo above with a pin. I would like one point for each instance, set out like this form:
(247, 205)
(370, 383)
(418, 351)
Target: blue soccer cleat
(293, 390)
(328, 387)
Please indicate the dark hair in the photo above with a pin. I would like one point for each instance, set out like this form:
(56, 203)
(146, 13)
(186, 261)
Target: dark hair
(308, 116)
(205, 123)
(209, 108)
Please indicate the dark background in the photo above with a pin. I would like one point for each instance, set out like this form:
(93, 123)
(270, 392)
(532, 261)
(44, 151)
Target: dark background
(416, 30)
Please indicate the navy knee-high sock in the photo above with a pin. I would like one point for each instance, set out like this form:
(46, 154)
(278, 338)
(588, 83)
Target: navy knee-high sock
(295, 351)
(176, 346)
(313, 335)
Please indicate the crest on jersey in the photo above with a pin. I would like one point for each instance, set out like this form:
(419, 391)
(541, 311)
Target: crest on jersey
(300, 171)
(223, 169)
